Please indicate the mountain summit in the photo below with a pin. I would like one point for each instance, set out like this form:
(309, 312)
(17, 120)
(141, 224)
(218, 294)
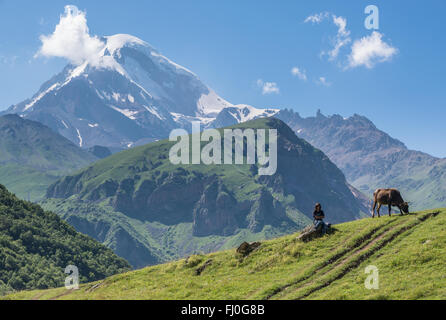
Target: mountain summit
(128, 94)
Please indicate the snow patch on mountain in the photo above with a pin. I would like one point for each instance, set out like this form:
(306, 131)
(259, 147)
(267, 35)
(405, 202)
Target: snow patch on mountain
(81, 142)
(76, 72)
(154, 112)
(163, 60)
(185, 121)
(65, 125)
(40, 96)
(211, 104)
(248, 113)
(116, 42)
(127, 112)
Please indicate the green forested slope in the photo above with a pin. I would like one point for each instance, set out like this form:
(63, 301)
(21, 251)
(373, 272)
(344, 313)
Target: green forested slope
(36, 246)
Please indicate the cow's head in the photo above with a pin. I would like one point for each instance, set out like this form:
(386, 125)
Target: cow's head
(405, 207)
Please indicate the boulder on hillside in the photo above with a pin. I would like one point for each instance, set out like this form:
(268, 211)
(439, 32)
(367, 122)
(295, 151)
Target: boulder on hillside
(246, 248)
(203, 267)
(310, 233)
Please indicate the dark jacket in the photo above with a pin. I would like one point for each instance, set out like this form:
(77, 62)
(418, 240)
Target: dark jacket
(318, 215)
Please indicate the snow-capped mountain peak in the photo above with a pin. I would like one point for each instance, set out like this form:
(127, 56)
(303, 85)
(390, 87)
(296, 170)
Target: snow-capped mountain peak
(210, 104)
(118, 41)
(126, 94)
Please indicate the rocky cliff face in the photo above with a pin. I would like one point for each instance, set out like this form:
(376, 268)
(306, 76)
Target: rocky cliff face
(180, 197)
(216, 211)
(266, 210)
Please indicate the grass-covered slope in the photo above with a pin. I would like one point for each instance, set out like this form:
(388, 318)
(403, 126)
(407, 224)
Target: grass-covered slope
(36, 246)
(32, 156)
(409, 252)
(150, 211)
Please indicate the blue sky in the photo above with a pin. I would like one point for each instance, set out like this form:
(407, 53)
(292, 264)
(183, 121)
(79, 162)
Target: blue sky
(235, 46)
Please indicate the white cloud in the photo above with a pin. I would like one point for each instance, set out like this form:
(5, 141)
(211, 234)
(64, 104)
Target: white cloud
(367, 51)
(301, 74)
(323, 81)
(317, 18)
(341, 23)
(342, 37)
(71, 39)
(268, 87)
(370, 50)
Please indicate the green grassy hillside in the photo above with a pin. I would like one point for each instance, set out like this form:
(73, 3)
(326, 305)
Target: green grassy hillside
(409, 252)
(32, 157)
(150, 211)
(26, 182)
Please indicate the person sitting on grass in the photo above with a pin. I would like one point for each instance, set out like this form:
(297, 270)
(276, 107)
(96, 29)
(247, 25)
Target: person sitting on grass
(319, 217)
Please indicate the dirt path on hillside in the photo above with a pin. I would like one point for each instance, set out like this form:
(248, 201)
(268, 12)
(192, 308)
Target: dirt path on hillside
(38, 296)
(67, 292)
(354, 259)
(330, 260)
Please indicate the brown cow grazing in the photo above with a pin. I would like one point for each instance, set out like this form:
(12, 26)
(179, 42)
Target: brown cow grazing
(389, 197)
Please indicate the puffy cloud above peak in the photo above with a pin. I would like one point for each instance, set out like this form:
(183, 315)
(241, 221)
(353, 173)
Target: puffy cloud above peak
(71, 39)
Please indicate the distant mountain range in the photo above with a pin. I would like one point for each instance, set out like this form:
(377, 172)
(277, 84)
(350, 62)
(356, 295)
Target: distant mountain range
(130, 95)
(150, 211)
(32, 156)
(372, 159)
